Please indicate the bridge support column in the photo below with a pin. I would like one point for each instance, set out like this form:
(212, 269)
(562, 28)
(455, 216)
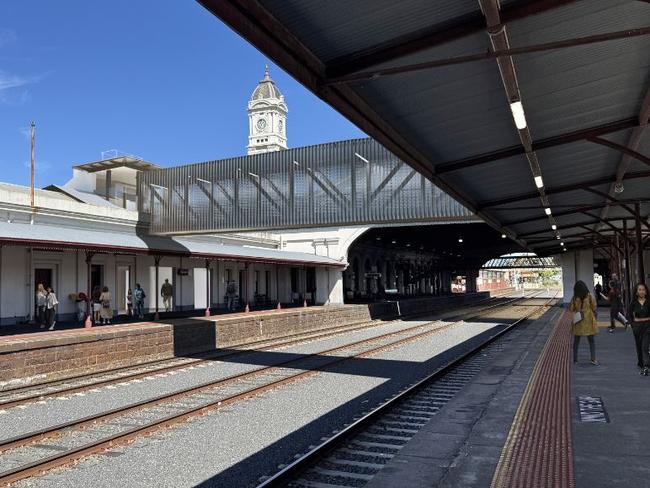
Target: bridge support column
(470, 281)
(329, 286)
(576, 265)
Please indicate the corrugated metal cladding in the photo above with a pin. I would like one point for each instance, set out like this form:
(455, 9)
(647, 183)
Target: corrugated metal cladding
(339, 30)
(343, 183)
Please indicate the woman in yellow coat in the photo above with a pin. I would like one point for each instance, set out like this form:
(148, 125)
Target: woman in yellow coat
(583, 308)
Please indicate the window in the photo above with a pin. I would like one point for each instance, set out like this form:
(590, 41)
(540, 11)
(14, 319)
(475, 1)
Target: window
(228, 275)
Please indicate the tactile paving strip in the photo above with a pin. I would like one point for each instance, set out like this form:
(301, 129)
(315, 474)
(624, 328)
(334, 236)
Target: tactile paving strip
(539, 451)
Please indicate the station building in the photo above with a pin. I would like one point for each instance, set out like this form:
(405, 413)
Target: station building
(89, 232)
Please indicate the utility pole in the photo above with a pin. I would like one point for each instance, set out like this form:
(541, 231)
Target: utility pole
(31, 188)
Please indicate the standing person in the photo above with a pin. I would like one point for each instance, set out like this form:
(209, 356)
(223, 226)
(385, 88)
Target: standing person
(129, 303)
(81, 306)
(41, 295)
(97, 305)
(598, 289)
(640, 309)
(231, 290)
(583, 306)
(139, 296)
(50, 308)
(106, 311)
(166, 292)
(615, 307)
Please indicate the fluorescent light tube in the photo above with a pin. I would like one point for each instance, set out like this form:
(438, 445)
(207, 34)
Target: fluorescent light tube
(518, 114)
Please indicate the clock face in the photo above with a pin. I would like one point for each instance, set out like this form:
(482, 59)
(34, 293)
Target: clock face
(261, 125)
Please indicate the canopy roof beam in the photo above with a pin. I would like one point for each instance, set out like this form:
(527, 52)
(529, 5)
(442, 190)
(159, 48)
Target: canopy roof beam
(563, 189)
(554, 141)
(435, 35)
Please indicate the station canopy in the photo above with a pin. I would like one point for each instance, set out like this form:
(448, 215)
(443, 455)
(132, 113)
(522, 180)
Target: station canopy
(521, 260)
(531, 113)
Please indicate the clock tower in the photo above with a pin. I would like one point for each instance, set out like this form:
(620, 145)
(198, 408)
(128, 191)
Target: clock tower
(267, 118)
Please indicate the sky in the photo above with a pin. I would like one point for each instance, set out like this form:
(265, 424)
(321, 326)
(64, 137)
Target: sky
(164, 80)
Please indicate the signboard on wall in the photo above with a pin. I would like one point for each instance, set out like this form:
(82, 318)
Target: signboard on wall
(372, 275)
(183, 271)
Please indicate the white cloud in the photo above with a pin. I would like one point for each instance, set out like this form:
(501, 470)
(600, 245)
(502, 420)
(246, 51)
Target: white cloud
(12, 89)
(7, 81)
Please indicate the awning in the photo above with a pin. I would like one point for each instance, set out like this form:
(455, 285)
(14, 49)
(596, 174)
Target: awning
(55, 237)
(531, 113)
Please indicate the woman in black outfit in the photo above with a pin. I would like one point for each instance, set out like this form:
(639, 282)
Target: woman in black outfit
(640, 309)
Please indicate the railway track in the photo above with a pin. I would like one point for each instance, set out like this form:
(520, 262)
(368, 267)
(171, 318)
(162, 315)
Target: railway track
(353, 456)
(79, 384)
(38, 451)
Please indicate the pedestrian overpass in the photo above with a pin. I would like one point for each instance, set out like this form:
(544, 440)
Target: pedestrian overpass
(354, 182)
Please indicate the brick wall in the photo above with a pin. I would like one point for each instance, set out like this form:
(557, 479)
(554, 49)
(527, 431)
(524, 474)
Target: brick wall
(38, 358)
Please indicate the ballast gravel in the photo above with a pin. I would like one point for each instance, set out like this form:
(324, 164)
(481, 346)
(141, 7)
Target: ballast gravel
(57, 410)
(234, 446)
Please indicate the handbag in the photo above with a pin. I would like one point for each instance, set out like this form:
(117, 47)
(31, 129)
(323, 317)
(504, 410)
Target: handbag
(577, 317)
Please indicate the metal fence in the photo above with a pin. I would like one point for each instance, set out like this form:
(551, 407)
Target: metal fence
(353, 182)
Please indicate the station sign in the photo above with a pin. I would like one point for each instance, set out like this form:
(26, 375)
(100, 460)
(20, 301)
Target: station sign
(183, 272)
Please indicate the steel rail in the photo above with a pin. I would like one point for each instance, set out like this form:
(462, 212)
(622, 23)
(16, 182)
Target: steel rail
(288, 340)
(292, 471)
(51, 431)
(68, 456)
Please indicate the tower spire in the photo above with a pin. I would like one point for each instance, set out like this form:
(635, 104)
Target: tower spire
(267, 117)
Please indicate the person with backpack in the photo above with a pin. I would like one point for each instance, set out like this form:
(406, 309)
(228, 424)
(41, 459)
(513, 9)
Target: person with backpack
(138, 297)
(615, 307)
(106, 312)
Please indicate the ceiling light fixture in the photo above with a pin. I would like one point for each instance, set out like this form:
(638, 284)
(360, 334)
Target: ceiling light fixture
(539, 183)
(503, 236)
(554, 227)
(460, 239)
(518, 114)
(547, 210)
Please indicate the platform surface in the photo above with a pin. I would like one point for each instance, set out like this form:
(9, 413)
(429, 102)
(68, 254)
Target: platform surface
(467, 441)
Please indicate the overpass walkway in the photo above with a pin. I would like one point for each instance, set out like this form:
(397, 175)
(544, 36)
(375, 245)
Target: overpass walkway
(355, 182)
